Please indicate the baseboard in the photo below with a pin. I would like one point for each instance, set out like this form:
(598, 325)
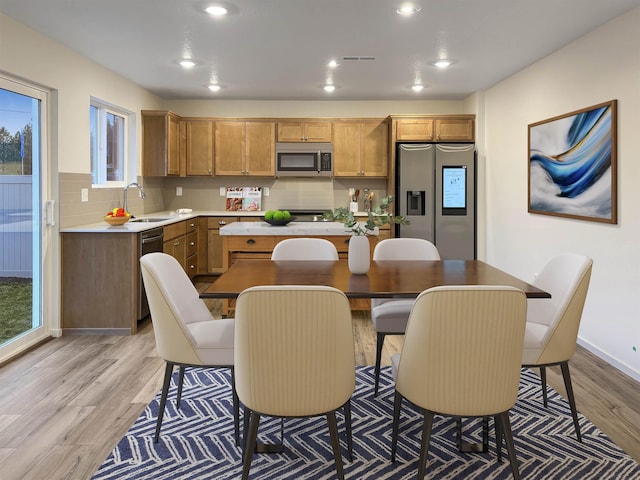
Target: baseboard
(626, 369)
(96, 331)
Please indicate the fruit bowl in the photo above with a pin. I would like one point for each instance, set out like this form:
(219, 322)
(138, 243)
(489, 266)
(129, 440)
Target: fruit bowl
(277, 223)
(117, 220)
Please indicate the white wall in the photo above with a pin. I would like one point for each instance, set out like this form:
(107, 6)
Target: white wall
(73, 80)
(599, 67)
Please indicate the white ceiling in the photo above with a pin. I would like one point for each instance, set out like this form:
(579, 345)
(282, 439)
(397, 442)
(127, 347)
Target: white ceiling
(278, 49)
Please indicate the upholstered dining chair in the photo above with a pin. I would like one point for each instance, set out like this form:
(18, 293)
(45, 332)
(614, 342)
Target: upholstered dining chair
(185, 332)
(552, 324)
(461, 358)
(294, 356)
(390, 316)
(304, 248)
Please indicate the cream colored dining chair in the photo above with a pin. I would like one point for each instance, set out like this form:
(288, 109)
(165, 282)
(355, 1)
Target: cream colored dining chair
(390, 316)
(304, 248)
(461, 358)
(294, 357)
(186, 334)
(552, 324)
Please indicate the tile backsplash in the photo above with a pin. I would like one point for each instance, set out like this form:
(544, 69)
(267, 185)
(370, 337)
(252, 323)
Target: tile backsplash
(203, 193)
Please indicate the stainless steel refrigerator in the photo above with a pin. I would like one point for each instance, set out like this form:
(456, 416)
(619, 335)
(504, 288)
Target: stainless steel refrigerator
(436, 191)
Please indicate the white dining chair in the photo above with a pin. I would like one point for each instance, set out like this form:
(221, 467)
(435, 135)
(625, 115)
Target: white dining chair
(553, 324)
(186, 334)
(304, 248)
(461, 358)
(390, 316)
(294, 357)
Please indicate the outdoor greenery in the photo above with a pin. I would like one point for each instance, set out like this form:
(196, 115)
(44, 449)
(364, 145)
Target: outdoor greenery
(11, 161)
(15, 307)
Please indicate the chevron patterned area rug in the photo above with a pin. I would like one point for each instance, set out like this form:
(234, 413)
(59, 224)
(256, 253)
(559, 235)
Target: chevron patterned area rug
(197, 441)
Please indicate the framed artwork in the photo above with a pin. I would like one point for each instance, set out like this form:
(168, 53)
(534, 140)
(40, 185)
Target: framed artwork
(572, 164)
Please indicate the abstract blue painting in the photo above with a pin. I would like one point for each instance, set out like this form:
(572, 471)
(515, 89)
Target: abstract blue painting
(572, 164)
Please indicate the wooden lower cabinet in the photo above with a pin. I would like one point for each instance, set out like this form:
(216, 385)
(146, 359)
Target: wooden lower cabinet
(99, 283)
(214, 243)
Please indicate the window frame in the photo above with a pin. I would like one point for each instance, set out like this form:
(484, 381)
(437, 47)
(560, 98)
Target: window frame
(98, 148)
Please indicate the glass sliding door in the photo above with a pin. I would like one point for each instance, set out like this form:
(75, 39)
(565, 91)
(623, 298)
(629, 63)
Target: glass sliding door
(23, 187)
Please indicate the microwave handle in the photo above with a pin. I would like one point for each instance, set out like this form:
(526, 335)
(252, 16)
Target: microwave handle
(319, 164)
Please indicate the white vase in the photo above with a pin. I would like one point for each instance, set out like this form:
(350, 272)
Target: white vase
(359, 254)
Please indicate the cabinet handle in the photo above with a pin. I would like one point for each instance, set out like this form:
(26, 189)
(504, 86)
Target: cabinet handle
(222, 222)
(251, 241)
(346, 242)
(176, 244)
(192, 267)
(192, 225)
(192, 244)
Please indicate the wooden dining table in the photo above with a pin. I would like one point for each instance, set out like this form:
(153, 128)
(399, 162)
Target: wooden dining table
(385, 279)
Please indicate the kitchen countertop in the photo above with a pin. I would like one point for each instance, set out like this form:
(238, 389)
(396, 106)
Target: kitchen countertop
(292, 228)
(258, 227)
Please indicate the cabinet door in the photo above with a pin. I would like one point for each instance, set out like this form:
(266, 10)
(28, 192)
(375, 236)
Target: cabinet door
(454, 129)
(229, 148)
(318, 131)
(260, 148)
(290, 132)
(214, 251)
(173, 142)
(177, 248)
(347, 149)
(415, 129)
(375, 149)
(199, 147)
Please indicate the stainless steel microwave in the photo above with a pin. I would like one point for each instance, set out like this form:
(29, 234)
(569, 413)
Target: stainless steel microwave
(304, 159)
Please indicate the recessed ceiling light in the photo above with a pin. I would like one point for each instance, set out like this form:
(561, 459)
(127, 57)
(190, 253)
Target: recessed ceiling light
(333, 64)
(442, 63)
(417, 87)
(216, 10)
(329, 88)
(408, 9)
(187, 63)
(214, 87)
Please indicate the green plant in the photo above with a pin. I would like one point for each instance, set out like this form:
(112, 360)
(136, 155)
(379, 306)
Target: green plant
(377, 217)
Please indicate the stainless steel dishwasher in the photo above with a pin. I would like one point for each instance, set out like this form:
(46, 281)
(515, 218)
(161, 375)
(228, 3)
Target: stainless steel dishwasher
(150, 241)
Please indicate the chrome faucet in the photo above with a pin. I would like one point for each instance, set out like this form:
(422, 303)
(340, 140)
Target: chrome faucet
(133, 184)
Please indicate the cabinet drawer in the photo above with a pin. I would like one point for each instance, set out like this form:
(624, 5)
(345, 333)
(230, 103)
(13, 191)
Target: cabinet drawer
(214, 223)
(191, 225)
(341, 243)
(192, 243)
(250, 244)
(192, 265)
(175, 230)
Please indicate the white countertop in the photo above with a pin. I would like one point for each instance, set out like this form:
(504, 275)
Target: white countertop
(292, 228)
(257, 228)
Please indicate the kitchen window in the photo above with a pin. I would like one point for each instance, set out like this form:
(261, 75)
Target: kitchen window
(112, 144)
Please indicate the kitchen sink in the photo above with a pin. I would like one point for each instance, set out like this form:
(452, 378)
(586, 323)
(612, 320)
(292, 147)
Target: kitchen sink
(149, 220)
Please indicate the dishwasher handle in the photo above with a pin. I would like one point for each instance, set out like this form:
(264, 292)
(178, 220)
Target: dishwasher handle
(146, 240)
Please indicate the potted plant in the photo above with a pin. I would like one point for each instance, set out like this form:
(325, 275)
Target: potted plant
(359, 250)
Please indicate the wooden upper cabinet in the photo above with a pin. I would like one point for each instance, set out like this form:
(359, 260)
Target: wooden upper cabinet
(436, 129)
(160, 143)
(360, 149)
(199, 147)
(301, 131)
(245, 148)
(414, 129)
(455, 129)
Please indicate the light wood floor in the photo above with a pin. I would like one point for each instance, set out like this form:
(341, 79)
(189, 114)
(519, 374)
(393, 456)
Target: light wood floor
(66, 404)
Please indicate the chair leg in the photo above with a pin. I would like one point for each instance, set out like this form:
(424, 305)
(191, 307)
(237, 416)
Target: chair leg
(180, 382)
(168, 371)
(250, 444)
(497, 423)
(335, 443)
(427, 426)
(543, 381)
(566, 376)
(236, 407)
(397, 406)
(379, 344)
(347, 421)
(246, 413)
(511, 449)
